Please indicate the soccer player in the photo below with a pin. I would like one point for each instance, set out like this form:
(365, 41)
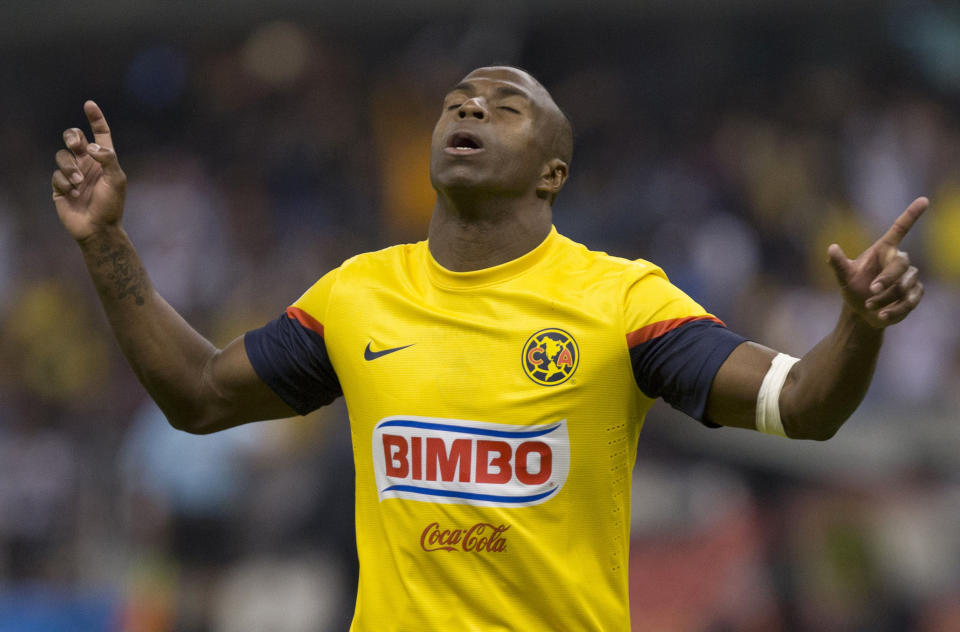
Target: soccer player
(496, 375)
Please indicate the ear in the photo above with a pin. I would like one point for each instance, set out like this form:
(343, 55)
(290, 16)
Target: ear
(552, 178)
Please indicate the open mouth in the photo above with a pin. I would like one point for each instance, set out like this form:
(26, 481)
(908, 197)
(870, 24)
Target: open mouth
(463, 143)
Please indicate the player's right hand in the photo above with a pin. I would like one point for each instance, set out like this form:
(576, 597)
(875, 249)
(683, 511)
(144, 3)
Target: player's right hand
(89, 186)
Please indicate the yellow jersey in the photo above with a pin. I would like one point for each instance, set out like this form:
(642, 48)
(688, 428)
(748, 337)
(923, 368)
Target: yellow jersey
(494, 416)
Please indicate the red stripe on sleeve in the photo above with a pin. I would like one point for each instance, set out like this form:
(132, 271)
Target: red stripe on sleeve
(655, 330)
(304, 319)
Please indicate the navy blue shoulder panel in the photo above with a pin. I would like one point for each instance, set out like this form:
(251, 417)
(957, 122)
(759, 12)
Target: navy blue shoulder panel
(292, 360)
(680, 365)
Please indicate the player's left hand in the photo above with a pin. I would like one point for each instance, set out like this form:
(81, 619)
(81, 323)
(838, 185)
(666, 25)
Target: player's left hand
(880, 285)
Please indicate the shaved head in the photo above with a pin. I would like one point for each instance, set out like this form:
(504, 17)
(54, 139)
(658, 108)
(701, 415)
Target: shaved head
(500, 133)
(558, 129)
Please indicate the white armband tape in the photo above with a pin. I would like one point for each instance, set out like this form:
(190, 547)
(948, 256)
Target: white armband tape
(768, 399)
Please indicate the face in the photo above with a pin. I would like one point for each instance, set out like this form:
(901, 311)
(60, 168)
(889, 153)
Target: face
(491, 134)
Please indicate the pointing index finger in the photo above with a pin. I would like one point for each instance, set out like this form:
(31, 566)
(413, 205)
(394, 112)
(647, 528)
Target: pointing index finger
(903, 224)
(98, 124)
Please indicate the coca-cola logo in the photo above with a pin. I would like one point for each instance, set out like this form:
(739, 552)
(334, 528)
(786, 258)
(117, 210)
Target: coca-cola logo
(482, 537)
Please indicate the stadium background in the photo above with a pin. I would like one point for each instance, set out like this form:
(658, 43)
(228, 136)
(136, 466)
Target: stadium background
(729, 142)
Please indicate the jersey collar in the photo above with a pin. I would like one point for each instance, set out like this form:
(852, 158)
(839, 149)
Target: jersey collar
(449, 279)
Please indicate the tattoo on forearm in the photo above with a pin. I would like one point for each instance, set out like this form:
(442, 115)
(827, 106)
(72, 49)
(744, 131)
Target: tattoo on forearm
(126, 274)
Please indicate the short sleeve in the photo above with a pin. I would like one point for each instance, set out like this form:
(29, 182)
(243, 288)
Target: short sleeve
(290, 353)
(676, 347)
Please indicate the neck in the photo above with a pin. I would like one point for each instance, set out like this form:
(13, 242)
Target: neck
(478, 234)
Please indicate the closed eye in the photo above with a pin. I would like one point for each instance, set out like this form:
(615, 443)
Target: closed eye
(509, 109)
(454, 106)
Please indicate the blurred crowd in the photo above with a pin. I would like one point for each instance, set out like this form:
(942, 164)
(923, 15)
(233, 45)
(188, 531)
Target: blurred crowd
(731, 151)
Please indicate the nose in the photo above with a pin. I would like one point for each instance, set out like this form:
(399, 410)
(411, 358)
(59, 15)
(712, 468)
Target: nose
(473, 107)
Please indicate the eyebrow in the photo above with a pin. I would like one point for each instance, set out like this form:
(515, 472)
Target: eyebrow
(500, 91)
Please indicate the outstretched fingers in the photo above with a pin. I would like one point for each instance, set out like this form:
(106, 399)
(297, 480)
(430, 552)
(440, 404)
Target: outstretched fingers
(98, 124)
(896, 290)
(880, 284)
(77, 165)
(905, 222)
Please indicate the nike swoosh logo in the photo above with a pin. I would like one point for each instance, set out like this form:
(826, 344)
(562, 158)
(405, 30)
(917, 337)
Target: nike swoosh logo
(373, 355)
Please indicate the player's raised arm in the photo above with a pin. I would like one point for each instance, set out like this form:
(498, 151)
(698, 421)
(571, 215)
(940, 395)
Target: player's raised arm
(199, 387)
(821, 390)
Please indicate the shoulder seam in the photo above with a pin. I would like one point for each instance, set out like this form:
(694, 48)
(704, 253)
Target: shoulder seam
(333, 287)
